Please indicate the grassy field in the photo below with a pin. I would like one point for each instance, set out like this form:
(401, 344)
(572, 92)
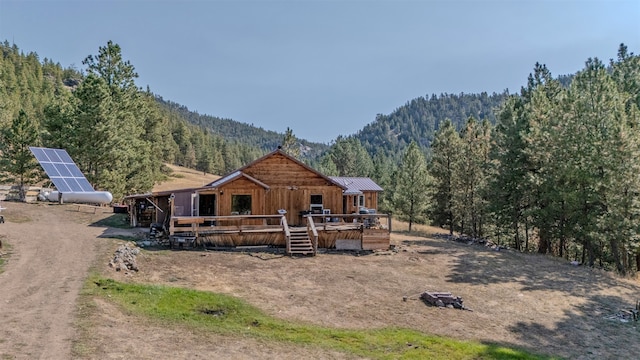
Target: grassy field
(227, 315)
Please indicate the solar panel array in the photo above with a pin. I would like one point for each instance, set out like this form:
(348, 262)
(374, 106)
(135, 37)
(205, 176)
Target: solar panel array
(61, 169)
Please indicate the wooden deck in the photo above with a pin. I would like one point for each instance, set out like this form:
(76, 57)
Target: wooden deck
(372, 230)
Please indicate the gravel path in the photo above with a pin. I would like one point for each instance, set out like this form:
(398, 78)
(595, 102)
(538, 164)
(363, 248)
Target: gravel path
(51, 250)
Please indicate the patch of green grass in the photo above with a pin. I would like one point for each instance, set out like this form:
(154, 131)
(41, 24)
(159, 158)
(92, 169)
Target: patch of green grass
(119, 221)
(227, 315)
(81, 345)
(17, 218)
(125, 238)
(5, 251)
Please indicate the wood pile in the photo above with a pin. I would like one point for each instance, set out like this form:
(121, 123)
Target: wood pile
(442, 299)
(626, 315)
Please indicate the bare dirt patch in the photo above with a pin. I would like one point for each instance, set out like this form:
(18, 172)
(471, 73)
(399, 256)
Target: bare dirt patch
(539, 303)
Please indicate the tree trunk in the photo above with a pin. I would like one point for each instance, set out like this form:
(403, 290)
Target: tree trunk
(543, 245)
(562, 235)
(526, 235)
(517, 236)
(615, 253)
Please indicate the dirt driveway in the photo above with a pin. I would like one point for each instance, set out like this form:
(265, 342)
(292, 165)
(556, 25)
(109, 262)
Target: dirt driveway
(51, 248)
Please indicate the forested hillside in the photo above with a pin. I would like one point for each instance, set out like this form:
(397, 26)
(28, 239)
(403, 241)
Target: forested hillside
(235, 131)
(420, 118)
(118, 134)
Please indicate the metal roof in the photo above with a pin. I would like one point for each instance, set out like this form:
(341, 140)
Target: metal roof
(225, 179)
(355, 185)
(235, 175)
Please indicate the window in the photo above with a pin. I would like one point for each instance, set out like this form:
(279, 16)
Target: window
(361, 200)
(316, 204)
(316, 199)
(241, 204)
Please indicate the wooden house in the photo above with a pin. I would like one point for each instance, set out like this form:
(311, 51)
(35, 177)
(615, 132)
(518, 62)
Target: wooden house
(266, 201)
(273, 184)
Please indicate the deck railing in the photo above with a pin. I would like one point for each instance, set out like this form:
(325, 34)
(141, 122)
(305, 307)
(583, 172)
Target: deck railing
(331, 221)
(257, 230)
(227, 224)
(311, 227)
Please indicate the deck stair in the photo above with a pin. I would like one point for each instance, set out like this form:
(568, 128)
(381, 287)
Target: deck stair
(299, 242)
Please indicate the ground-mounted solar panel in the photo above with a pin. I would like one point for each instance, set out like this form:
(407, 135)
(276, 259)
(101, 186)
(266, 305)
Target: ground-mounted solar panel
(63, 172)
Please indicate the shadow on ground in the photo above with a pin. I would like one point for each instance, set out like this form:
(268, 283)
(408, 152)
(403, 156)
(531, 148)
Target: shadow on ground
(593, 296)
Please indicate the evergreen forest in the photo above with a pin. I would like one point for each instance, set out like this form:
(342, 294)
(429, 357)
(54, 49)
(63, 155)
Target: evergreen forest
(553, 169)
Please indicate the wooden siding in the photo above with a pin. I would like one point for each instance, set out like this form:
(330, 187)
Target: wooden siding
(242, 239)
(370, 202)
(375, 239)
(241, 186)
(296, 200)
(280, 171)
(371, 199)
(327, 238)
(291, 186)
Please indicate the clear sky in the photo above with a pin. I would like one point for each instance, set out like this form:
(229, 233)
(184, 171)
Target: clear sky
(324, 68)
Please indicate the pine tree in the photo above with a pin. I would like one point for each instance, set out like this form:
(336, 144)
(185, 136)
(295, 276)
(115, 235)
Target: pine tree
(383, 173)
(412, 190)
(16, 159)
(549, 207)
(290, 144)
(603, 164)
(470, 178)
(445, 157)
(509, 171)
(351, 158)
(110, 130)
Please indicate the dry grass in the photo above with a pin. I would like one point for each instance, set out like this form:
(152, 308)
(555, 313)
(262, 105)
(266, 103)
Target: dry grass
(182, 178)
(417, 229)
(536, 302)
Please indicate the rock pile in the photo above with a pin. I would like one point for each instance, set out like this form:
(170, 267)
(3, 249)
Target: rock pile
(125, 258)
(472, 241)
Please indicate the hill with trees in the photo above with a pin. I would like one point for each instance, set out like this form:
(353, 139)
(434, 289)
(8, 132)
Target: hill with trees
(234, 131)
(552, 169)
(119, 134)
(420, 118)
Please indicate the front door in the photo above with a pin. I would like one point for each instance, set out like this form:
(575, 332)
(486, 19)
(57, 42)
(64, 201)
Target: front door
(207, 205)
(345, 203)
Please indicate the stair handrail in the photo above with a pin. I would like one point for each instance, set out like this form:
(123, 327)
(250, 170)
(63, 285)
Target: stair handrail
(312, 226)
(287, 233)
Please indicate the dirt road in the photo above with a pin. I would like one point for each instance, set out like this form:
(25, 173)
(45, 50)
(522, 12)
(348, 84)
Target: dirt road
(51, 248)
